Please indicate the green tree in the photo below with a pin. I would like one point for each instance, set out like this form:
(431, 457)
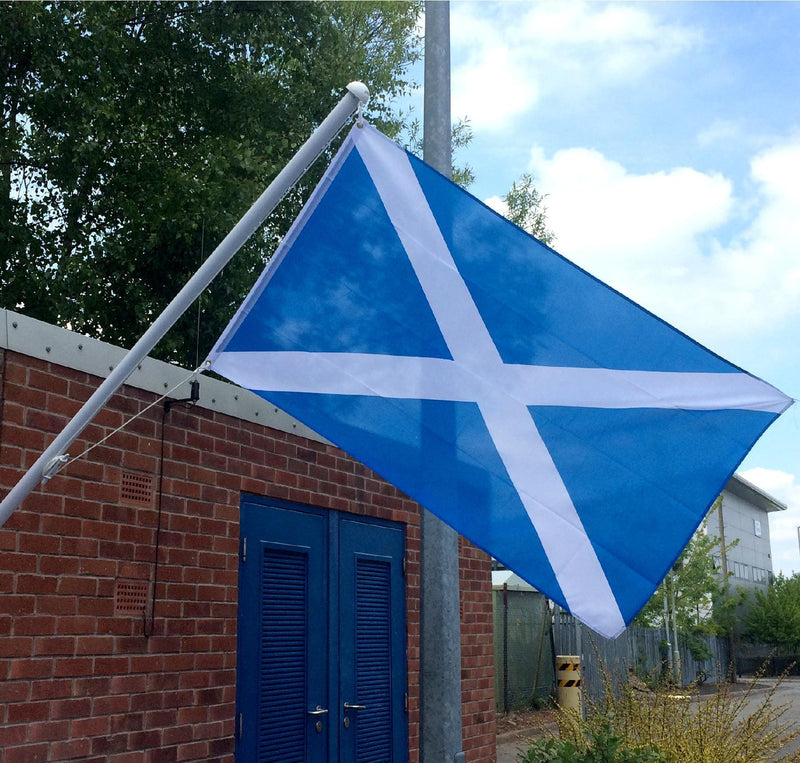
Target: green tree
(698, 599)
(527, 210)
(773, 616)
(461, 137)
(135, 134)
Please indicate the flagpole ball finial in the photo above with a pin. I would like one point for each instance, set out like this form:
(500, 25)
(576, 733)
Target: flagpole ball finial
(360, 91)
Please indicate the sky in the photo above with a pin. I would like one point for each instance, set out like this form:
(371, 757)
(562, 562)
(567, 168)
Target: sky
(666, 137)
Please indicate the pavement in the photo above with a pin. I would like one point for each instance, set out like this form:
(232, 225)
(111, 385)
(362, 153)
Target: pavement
(511, 742)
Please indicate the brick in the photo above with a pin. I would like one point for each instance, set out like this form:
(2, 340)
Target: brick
(100, 530)
(127, 757)
(28, 712)
(126, 684)
(111, 705)
(30, 668)
(80, 547)
(19, 605)
(74, 666)
(56, 605)
(77, 624)
(164, 755)
(35, 583)
(107, 745)
(192, 715)
(37, 543)
(12, 735)
(94, 645)
(75, 506)
(70, 749)
(193, 751)
(90, 727)
(166, 718)
(146, 739)
(92, 686)
(14, 691)
(46, 731)
(116, 550)
(29, 753)
(99, 607)
(100, 492)
(61, 525)
(111, 666)
(70, 708)
(98, 568)
(21, 646)
(25, 437)
(54, 645)
(128, 722)
(217, 747)
(148, 663)
(51, 689)
(34, 625)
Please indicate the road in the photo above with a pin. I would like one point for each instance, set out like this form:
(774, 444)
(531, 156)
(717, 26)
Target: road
(786, 692)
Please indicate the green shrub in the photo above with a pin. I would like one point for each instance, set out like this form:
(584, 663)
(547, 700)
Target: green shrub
(674, 726)
(601, 746)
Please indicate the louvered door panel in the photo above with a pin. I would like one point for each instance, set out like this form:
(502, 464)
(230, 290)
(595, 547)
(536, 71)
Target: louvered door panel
(372, 642)
(282, 705)
(373, 661)
(282, 657)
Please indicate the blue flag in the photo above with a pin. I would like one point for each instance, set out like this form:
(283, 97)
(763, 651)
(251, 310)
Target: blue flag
(565, 430)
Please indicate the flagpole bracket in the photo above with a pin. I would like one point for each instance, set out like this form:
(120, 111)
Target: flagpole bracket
(53, 466)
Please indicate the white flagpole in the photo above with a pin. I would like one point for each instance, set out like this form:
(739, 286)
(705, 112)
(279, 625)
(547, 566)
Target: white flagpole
(47, 463)
(440, 631)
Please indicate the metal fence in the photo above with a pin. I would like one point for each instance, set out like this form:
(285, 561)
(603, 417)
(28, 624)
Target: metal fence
(529, 634)
(641, 651)
(523, 649)
(752, 659)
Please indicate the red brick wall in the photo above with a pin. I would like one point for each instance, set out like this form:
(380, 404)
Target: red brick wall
(78, 678)
(477, 654)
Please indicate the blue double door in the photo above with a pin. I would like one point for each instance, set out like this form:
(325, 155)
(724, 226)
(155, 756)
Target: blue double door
(321, 664)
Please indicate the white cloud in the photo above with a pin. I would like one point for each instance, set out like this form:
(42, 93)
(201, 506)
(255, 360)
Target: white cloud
(497, 204)
(721, 131)
(783, 525)
(501, 51)
(658, 237)
(492, 89)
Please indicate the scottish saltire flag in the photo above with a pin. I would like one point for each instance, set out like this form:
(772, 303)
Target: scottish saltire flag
(557, 425)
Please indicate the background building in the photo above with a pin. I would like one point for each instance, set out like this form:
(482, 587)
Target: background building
(745, 519)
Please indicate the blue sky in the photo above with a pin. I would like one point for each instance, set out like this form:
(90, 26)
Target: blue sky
(667, 139)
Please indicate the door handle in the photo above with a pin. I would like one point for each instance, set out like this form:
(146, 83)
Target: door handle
(319, 711)
(348, 706)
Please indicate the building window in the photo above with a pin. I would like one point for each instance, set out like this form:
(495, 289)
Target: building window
(757, 527)
(760, 575)
(741, 571)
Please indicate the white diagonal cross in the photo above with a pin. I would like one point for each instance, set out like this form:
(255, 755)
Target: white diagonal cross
(502, 391)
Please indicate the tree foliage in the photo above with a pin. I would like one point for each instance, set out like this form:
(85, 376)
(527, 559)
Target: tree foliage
(135, 134)
(774, 615)
(460, 137)
(527, 210)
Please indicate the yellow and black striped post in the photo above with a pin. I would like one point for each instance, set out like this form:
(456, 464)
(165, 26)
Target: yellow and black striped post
(568, 681)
